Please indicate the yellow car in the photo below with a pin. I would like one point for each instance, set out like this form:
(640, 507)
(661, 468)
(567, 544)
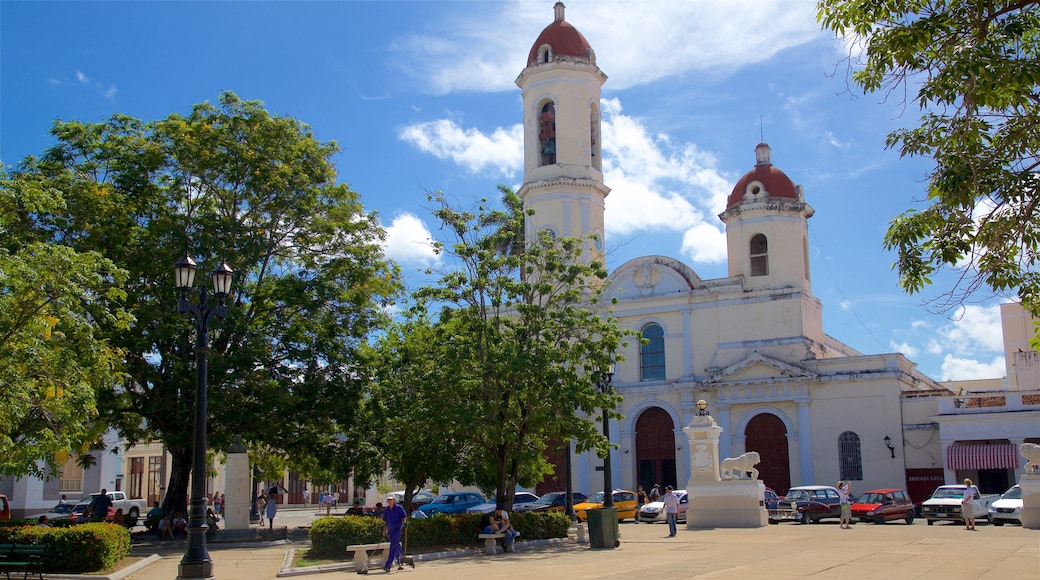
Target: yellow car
(626, 503)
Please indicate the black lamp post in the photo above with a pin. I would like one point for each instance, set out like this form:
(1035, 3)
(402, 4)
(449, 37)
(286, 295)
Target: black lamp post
(568, 488)
(196, 562)
(604, 381)
(888, 443)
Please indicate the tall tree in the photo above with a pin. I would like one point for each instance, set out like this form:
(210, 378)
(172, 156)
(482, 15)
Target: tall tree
(974, 66)
(228, 181)
(522, 331)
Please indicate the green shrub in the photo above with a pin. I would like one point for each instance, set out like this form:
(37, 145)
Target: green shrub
(330, 536)
(77, 549)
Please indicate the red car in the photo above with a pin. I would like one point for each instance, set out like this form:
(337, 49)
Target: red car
(881, 505)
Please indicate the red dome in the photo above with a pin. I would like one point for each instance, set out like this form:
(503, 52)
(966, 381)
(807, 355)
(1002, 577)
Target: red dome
(564, 39)
(775, 182)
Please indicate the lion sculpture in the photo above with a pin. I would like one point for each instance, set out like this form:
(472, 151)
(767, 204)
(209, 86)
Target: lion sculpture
(735, 467)
(1031, 451)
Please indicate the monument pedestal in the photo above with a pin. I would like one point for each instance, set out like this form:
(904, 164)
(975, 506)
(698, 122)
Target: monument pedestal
(1030, 486)
(735, 503)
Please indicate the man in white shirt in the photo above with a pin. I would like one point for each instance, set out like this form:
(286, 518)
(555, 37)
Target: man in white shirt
(671, 509)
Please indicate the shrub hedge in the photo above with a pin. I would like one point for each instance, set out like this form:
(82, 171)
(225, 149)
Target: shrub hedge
(74, 549)
(331, 535)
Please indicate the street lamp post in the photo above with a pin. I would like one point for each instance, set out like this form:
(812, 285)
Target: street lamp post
(604, 381)
(196, 562)
(568, 500)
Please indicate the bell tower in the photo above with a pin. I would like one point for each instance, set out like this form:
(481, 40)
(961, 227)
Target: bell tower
(563, 168)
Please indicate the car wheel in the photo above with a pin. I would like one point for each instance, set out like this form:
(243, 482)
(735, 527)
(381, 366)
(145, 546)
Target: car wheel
(879, 519)
(134, 512)
(930, 522)
(805, 518)
(910, 517)
(997, 522)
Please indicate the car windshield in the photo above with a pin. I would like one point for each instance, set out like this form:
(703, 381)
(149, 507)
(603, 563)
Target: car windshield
(598, 498)
(64, 508)
(442, 499)
(797, 494)
(1013, 493)
(871, 498)
(948, 492)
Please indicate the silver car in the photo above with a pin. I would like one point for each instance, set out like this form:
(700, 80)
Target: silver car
(1008, 508)
(654, 511)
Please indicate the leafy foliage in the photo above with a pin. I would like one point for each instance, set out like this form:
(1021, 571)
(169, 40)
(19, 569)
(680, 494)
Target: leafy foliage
(77, 549)
(975, 66)
(225, 182)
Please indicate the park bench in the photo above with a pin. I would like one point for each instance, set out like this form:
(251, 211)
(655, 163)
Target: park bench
(363, 552)
(490, 541)
(24, 558)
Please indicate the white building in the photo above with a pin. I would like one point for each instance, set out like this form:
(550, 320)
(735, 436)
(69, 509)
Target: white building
(751, 344)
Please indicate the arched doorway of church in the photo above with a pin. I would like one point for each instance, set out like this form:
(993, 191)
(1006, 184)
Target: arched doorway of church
(766, 434)
(655, 449)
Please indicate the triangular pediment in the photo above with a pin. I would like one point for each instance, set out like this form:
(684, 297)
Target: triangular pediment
(759, 367)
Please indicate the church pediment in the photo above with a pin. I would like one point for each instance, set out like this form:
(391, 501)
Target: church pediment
(652, 276)
(757, 367)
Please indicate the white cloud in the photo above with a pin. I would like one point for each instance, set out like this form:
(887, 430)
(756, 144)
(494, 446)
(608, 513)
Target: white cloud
(501, 152)
(82, 78)
(409, 241)
(959, 369)
(974, 330)
(468, 50)
(908, 350)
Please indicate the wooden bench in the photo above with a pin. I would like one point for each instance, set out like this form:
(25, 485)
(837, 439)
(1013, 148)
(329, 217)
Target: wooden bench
(363, 552)
(490, 541)
(24, 558)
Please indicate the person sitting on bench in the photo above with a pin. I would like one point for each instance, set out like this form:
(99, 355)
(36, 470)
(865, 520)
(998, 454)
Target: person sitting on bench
(497, 522)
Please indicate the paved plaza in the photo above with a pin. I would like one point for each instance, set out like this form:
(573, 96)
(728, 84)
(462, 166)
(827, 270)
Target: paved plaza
(891, 551)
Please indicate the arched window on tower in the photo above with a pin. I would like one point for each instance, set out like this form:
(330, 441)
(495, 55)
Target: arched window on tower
(547, 134)
(651, 353)
(759, 253)
(594, 145)
(849, 458)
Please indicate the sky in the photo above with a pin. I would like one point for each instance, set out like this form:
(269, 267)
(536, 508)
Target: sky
(420, 96)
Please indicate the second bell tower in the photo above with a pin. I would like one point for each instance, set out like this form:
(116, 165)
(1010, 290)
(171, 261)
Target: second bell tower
(563, 169)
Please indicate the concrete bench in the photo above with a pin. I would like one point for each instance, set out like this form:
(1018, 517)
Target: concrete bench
(490, 547)
(363, 552)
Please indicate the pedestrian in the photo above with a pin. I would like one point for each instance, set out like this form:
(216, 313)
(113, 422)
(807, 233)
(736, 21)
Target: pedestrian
(671, 509)
(216, 503)
(272, 507)
(64, 499)
(223, 503)
(99, 506)
(655, 492)
(261, 506)
(968, 505)
(394, 518)
(641, 500)
(335, 500)
(844, 488)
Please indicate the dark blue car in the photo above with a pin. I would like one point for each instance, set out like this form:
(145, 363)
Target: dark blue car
(456, 502)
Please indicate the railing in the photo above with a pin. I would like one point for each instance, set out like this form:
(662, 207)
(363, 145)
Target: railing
(996, 402)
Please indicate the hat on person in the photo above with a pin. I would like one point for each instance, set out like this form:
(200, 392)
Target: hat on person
(390, 497)
(498, 507)
(668, 488)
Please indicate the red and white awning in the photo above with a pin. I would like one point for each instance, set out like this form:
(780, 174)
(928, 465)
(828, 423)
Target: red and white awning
(982, 456)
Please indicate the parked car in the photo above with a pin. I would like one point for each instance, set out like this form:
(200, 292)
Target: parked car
(520, 498)
(5, 508)
(420, 498)
(1008, 508)
(945, 504)
(552, 501)
(626, 502)
(881, 505)
(807, 504)
(654, 511)
(456, 502)
(771, 499)
(62, 511)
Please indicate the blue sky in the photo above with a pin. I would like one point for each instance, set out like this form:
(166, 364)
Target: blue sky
(421, 96)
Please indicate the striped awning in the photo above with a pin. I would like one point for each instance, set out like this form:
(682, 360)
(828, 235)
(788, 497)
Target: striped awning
(982, 456)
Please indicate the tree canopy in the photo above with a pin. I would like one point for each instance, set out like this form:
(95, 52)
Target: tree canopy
(972, 68)
(518, 331)
(228, 181)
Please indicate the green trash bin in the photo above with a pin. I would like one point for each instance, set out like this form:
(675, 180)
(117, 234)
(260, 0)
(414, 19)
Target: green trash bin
(603, 528)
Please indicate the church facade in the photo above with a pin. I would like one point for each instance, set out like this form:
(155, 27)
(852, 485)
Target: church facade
(750, 344)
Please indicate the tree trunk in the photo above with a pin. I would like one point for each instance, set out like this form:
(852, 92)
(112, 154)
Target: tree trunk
(177, 488)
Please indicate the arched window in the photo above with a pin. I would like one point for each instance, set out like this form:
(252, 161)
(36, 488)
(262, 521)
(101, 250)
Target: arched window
(759, 255)
(651, 353)
(849, 458)
(547, 134)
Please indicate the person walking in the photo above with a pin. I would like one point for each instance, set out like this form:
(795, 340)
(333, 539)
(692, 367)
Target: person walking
(655, 492)
(99, 506)
(394, 518)
(272, 507)
(671, 509)
(968, 505)
(641, 500)
(844, 488)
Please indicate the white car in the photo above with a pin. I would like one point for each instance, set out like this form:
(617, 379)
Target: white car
(654, 511)
(1008, 508)
(521, 502)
